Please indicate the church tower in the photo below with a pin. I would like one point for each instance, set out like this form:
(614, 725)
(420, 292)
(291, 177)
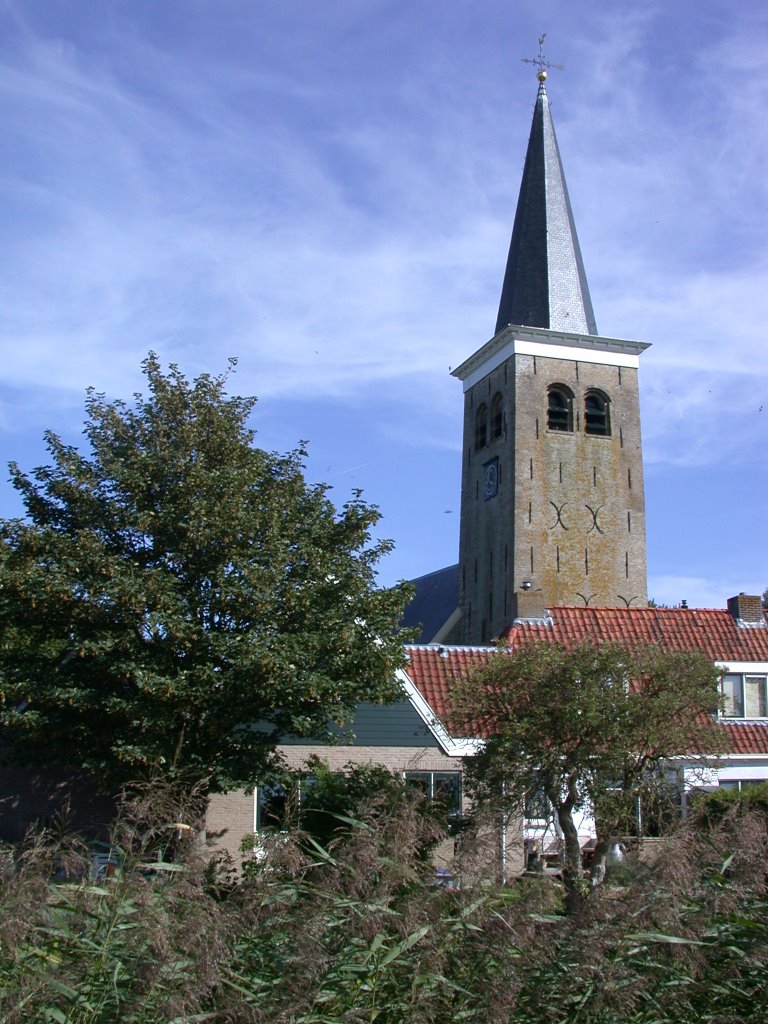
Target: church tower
(552, 506)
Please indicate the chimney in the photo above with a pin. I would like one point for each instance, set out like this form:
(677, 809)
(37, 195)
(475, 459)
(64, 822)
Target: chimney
(747, 610)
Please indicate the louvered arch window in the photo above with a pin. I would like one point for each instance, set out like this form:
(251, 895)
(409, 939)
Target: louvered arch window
(497, 416)
(560, 408)
(481, 427)
(597, 417)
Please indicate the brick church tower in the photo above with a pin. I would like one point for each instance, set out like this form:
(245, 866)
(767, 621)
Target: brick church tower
(552, 506)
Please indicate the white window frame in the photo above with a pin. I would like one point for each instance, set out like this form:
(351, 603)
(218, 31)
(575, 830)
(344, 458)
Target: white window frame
(744, 672)
(456, 777)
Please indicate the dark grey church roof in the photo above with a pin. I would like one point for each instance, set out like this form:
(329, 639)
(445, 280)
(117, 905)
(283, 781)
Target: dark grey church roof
(544, 283)
(436, 599)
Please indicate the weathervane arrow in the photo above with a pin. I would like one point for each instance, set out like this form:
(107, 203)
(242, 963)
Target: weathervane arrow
(541, 62)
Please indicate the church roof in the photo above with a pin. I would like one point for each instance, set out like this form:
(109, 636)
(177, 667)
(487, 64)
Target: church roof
(544, 283)
(434, 602)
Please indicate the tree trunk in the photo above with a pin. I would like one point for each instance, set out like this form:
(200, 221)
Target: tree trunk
(573, 873)
(600, 862)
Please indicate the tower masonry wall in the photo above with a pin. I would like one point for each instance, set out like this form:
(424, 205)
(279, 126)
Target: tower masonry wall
(580, 508)
(567, 519)
(487, 537)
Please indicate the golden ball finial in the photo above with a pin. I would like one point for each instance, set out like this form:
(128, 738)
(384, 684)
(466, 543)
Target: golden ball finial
(542, 75)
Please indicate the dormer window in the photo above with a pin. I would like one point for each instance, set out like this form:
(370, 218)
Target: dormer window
(497, 416)
(597, 418)
(560, 409)
(481, 427)
(744, 696)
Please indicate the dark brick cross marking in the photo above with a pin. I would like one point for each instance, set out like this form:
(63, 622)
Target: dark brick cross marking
(595, 513)
(559, 513)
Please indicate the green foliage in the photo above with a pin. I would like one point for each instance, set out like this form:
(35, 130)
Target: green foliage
(590, 726)
(324, 804)
(92, 950)
(712, 807)
(334, 796)
(357, 932)
(177, 598)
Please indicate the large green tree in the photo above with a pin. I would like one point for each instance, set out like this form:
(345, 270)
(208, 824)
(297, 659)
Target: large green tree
(591, 728)
(177, 599)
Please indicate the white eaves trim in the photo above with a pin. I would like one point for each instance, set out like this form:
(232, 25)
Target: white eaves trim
(537, 341)
(452, 747)
(760, 667)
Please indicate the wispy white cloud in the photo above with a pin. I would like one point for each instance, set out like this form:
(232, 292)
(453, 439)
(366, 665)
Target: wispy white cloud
(327, 191)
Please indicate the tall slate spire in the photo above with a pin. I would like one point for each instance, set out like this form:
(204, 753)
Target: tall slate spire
(544, 283)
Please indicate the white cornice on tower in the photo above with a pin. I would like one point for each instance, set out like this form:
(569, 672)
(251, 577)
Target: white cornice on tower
(537, 341)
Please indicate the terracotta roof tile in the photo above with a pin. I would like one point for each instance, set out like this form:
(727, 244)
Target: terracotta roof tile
(747, 737)
(434, 668)
(711, 630)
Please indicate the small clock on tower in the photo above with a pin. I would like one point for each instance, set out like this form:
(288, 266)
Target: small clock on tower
(490, 479)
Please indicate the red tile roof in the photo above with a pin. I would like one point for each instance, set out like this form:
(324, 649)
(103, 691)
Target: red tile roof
(747, 737)
(433, 668)
(711, 630)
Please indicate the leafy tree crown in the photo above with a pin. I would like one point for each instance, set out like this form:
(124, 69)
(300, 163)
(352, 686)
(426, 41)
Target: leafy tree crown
(178, 598)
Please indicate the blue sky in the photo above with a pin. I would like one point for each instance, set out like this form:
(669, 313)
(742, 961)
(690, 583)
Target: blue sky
(325, 189)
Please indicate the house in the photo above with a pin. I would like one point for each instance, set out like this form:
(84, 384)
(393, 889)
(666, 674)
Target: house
(411, 737)
(734, 638)
(405, 737)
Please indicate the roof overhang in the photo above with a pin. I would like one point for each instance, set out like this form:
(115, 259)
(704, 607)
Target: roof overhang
(452, 746)
(759, 667)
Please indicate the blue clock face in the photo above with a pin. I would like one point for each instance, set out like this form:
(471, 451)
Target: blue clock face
(491, 479)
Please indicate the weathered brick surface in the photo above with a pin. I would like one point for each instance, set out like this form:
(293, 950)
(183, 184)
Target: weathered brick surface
(229, 819)
(569, 515)
(746, 607)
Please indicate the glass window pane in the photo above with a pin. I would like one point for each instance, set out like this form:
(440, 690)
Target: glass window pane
(442, 787)
(733, 696)
(446, 789)
(272, 808)
(421, 781)
(754, 696)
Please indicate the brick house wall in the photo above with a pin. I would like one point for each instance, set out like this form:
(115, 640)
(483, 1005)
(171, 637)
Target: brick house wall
(231, 816)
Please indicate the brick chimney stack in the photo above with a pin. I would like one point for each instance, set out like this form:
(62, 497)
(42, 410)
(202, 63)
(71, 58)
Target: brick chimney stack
(747, 609)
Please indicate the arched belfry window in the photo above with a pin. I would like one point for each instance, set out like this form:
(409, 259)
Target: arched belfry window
(497, 416)
(560, 408)
(597, 418)
(481, 427)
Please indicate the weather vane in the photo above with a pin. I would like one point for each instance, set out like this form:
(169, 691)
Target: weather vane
(541, 62)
